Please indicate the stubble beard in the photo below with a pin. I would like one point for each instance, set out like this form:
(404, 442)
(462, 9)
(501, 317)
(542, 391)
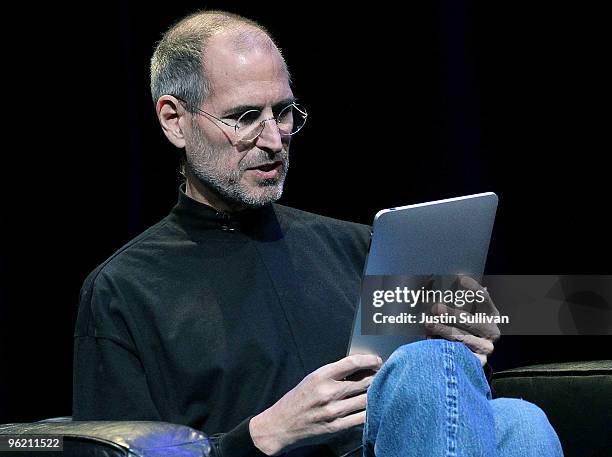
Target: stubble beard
(206, 163)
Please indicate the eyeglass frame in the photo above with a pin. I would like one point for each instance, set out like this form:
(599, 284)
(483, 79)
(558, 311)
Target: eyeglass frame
(236, 128)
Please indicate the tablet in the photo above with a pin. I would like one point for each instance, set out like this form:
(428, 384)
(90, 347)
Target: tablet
(444, 237)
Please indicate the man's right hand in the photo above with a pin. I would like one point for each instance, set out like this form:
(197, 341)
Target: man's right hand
(324, 402)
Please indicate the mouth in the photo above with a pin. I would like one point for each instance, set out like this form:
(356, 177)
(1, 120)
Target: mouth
(267, 170)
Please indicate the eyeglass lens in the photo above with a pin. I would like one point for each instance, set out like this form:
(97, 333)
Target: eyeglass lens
(289, 121)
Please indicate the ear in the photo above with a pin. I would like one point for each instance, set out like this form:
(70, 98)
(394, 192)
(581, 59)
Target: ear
(172, 118)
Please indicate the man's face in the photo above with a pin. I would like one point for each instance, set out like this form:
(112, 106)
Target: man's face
(241, 174)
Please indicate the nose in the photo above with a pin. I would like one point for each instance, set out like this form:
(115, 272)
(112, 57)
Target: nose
(270, 138)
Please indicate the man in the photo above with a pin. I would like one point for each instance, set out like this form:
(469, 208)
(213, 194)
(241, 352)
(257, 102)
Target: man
(232, 315)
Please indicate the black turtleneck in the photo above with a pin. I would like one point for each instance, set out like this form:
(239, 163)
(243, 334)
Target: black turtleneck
(208, 318)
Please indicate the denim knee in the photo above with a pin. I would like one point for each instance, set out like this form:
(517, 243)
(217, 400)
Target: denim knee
(414, 369)
(422, 354)
(429, 350)
(416, 353)
(419, 368)
(524, 425)
(402, 374)
(422, 399)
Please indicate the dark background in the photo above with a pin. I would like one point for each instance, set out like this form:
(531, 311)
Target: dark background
(406, 105)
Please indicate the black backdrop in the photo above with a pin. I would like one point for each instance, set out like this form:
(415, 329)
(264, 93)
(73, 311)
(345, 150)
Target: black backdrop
(406, 105)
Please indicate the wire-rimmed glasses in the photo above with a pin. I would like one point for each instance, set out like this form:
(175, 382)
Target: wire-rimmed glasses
(249, 125)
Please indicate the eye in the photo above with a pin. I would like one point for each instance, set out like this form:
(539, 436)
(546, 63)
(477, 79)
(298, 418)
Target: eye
(285, 114)
(248, 118)
(282, 109)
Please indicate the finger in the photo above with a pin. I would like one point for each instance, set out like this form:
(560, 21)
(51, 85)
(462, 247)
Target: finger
(487, 305)
(482, 358)
(483, 329)
(346, 406)
(359, 375)
(481, 346)
(351, 388)
(351, 364)
(352, 420)
(476, 344)
(467, 282)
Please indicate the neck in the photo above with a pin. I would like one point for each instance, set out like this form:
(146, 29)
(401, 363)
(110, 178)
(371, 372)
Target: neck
(201, 193)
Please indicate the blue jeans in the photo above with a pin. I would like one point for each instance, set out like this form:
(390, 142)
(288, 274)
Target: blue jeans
(431, 399)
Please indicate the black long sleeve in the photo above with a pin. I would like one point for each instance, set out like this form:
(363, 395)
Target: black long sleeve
(110, 384)
(206, 320)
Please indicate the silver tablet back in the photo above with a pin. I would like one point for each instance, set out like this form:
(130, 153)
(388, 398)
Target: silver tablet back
(443, 237)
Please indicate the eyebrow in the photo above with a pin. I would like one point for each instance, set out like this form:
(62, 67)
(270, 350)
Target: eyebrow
(242, 108)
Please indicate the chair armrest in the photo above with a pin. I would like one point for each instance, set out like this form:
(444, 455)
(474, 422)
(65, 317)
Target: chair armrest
(576, 397)
(116, 438)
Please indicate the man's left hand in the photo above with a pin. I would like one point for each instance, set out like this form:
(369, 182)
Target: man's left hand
(479, 337)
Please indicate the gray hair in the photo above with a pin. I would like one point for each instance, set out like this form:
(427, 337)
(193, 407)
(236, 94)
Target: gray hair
(177, 65)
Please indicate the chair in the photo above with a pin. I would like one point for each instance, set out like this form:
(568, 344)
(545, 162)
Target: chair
(576, 397)
(113, 438)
